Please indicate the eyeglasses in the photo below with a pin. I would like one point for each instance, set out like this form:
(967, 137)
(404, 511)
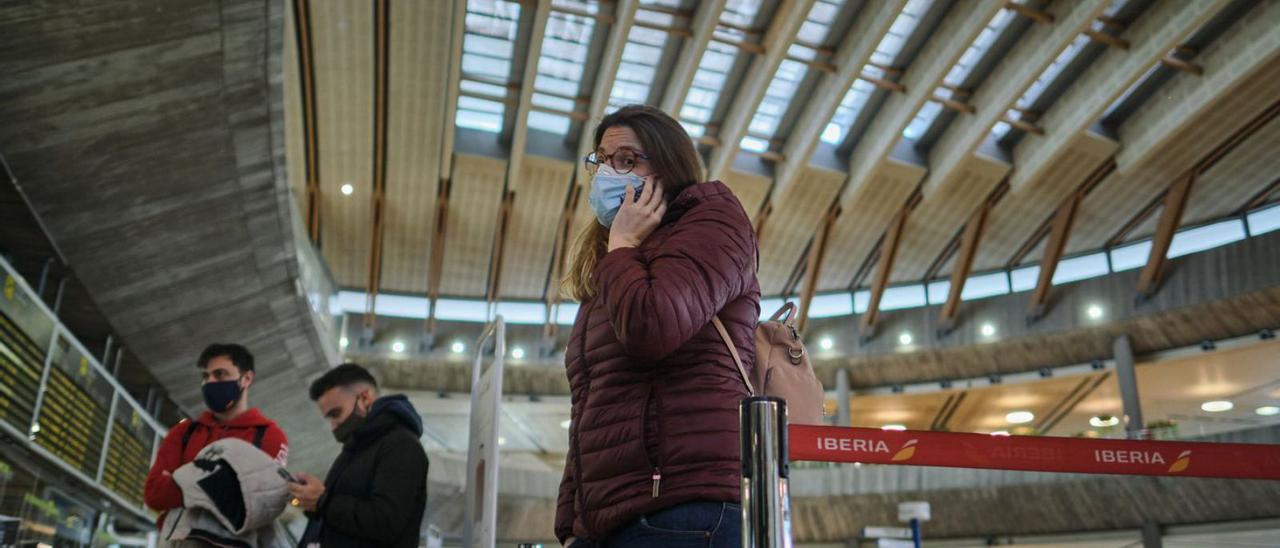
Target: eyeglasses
(622, 161)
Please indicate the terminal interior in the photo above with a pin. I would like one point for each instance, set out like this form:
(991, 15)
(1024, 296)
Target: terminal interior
(999, 217)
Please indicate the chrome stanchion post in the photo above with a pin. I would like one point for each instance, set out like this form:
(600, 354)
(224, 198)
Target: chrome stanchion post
(766, 499)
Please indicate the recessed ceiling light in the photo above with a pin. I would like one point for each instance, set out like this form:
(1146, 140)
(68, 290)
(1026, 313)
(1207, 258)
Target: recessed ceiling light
(1020, 417)
(517, 353)
(987, 330)
(343, 342)
(347, 189)
(458, 347)
(826, 343)
(894, 427)
(1267, 410)
(1000, 433)
(565, 423)
(1094, 311)
(397, 346)
(1103, 421)
(1217, 406)
(905, 339)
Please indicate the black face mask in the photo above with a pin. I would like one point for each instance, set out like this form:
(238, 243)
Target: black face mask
(221, 396)
(349, 427)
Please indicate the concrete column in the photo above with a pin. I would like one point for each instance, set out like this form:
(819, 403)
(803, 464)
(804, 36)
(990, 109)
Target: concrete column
(1151, 535)
(1128, 380)
(843, 414)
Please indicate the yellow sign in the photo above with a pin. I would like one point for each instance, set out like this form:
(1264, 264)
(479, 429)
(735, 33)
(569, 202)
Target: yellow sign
(10, 286)
(134, 419)
(84, 367)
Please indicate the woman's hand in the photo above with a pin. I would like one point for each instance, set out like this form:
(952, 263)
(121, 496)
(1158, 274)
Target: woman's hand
(638, 218)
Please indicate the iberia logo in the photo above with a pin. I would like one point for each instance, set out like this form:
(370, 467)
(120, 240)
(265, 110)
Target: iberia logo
(1184, 460)
(908, 450)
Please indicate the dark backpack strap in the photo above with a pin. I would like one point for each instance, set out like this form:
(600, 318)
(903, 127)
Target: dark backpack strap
(186, 438)
(259, 433)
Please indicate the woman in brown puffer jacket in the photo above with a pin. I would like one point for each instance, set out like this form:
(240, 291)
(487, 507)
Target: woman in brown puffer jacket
(654, 450)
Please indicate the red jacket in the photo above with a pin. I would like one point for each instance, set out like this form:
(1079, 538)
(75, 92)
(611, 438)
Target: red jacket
(655, 392)
(162, 493)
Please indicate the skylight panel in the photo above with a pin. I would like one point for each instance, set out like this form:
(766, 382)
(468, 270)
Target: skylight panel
(487, 48)
(847, 112)
(777, 97)
(708, 81)
(636, 71)
(972, 56)
(885, 55)
(565, 47)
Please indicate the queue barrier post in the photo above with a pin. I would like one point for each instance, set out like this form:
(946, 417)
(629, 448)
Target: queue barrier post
(766, 498)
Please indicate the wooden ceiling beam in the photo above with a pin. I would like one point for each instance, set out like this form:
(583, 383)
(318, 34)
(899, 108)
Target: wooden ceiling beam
(381, 40)
(974, 229)
(782, 30)
(954, 105)
(435, 268)
(817, 255)
(1063, 219)
(1039, 16)
(552, 294)
(1175, 202)
(1182, 66)
(307, 89)
(884, 267)
(702, 26)
(1023, 125)
(881, 83)
(492, 293)
(1108, 39)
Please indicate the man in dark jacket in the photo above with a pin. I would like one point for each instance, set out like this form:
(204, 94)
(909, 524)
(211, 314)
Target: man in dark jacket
(376, 490)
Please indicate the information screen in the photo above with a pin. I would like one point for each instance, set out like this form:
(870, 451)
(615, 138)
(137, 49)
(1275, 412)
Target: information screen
(128, 454)
(21, 363)
(73, 416)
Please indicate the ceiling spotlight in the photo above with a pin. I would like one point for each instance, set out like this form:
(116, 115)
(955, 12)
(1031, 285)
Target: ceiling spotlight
(1103, 421)
(987, 330)
(397, 347)
(1020, 417)
(1000, 433)
(347, 189)
(826, 343)
(565, 423)
(343, 342)
(1267, 410)
(1217, 406)
(517, 353)
(502, 441)
(458, 347)
(905, 339)
(1094, 311)
(893, 427)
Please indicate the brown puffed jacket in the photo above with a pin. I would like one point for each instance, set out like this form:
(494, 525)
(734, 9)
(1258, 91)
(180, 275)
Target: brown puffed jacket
(655, 391)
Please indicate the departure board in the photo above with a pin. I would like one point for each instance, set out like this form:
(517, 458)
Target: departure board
(128, 454)
(73, 416)
(21, 364)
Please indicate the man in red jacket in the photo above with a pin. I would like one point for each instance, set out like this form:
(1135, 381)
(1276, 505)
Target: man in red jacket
(227, 372)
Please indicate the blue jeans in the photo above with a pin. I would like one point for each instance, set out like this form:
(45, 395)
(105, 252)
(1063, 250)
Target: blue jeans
(688, 525)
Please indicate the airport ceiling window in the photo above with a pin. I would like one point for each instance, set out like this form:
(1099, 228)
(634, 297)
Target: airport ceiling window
(732, 32)
(487, 46)
(787, 79)
(557, 87)
(885, 56)
(959, 73)
(640, 58)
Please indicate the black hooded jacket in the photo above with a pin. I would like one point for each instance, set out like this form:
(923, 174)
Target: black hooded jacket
(376, 490)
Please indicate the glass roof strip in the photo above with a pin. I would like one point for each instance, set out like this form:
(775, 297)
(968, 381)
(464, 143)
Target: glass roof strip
(488, 44)
(886, 55)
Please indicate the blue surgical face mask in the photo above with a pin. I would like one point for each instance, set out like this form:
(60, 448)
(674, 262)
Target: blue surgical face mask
(607, 189)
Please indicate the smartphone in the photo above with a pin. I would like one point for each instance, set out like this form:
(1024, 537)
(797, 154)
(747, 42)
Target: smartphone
(287, 476)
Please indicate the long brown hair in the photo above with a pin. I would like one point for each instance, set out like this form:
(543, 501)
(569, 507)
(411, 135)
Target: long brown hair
(672, 158)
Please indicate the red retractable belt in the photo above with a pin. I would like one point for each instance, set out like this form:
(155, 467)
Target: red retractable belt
(1034, 453)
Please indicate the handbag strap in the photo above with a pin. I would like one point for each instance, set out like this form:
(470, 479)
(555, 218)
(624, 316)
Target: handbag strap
(733, 351)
